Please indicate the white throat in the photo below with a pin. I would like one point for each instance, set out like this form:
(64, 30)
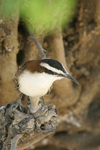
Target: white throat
(37, 84)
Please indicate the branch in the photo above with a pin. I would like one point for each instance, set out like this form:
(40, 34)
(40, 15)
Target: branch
(19, 129)
(32, 36)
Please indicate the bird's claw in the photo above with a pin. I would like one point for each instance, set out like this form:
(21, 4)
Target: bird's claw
(19, 104)
(45, 107)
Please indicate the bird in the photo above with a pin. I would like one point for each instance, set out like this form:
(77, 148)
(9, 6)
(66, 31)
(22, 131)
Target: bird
(35, 78)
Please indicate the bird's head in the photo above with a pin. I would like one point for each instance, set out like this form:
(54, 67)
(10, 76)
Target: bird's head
(55, 69)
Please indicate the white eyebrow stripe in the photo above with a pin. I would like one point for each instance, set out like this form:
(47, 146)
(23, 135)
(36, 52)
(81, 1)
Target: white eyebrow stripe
(51, 68)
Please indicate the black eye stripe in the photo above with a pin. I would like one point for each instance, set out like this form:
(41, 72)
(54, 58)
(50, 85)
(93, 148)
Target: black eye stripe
(53, 73)
(48, 71)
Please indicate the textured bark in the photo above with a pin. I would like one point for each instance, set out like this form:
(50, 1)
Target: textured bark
(8, 52)
(19, 129)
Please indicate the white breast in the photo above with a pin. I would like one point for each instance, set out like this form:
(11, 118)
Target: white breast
(36, 84)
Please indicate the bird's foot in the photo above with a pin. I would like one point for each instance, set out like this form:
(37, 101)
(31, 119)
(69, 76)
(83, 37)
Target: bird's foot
(19, 103)
(45, 107)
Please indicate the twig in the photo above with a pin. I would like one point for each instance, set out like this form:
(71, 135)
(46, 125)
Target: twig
(32, 36)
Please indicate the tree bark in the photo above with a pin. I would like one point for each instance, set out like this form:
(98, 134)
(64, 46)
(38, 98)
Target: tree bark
(20, 129)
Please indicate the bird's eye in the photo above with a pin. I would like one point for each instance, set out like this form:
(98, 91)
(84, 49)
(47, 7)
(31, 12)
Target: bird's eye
(55, 73)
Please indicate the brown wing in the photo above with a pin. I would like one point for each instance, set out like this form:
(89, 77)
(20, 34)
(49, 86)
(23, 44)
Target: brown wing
(20, 70)
(32, 66)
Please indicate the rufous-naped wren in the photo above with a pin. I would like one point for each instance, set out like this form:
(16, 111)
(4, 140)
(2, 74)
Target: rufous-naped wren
(34, 79)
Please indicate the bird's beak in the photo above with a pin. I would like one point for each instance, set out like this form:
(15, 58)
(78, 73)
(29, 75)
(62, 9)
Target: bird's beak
(71, 78)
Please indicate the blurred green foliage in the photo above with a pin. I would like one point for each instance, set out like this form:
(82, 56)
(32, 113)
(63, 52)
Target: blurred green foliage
(42, 15)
